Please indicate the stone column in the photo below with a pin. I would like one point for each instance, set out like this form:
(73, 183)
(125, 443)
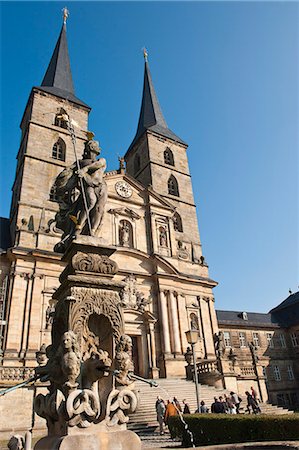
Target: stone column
(175, 323)
(164, 320)
(154, 371)
(183, 320)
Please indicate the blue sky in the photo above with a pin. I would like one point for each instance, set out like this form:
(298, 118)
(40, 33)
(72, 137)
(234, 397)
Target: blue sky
(226, 74)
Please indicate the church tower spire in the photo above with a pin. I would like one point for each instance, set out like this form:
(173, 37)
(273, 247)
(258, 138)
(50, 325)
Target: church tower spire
(151, 117)
(58, 78)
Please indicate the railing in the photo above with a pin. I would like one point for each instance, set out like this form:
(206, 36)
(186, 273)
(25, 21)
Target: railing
(207, 366)
(247, 371)
(16, 373)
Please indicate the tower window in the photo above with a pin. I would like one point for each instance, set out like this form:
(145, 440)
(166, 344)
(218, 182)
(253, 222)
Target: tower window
(173, 188)
(53, 196)
(168, 157)
(136, 163)
(58, 150)
(177, 222)
(60, 120)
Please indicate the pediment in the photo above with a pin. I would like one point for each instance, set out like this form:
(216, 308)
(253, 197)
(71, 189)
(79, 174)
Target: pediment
(125, 211)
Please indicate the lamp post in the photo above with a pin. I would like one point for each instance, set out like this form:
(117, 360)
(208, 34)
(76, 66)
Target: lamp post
(192, 339)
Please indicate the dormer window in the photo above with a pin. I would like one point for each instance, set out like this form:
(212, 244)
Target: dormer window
(168, 157)
(173, 187)
(243, 315)
(58, 150)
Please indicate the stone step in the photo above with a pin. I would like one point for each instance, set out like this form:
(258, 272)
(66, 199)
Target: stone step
(145, 418)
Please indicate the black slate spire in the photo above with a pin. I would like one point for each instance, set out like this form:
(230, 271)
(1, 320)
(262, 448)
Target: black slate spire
(59, 73)
(58, 78)
(151, 116)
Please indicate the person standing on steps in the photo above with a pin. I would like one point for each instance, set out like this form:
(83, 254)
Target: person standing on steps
(186, 409)
(160, 410)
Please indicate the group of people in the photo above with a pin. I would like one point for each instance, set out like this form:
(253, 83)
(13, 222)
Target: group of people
(171, 408)
(222, 405)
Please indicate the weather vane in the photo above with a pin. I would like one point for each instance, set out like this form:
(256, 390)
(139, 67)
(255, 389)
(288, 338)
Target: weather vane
(145, 54)
(65, 14)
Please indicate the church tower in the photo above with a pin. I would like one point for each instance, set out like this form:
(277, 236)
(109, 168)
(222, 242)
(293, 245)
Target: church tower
(158, 158)
(46, 147)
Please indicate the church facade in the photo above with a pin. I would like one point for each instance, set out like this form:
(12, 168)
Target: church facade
(150, 219)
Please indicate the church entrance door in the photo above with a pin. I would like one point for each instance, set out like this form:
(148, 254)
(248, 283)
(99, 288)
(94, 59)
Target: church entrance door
(135, 354)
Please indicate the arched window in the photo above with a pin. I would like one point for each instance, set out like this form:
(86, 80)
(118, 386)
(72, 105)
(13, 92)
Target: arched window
(53, 195)
(58, 150)
(168, 157)
(60, 119)
(173, 188)
(177, 222)
(136, 163)
(125, 232)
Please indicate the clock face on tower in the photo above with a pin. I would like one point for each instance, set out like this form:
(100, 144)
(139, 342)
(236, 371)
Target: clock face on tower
(123, 189)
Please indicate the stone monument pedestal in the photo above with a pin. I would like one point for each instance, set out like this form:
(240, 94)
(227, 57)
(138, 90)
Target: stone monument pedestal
(91, 393)
(113, 440)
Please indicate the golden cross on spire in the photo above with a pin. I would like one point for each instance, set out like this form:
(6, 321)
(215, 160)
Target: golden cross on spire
(145, 54)
(65, 14)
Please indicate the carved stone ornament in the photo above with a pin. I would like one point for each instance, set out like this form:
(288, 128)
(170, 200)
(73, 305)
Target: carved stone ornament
(133, 299)
(81, 408)
(120, 404)
(90, 301)
(94, 263)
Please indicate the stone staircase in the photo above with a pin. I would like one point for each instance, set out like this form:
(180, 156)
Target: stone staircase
(144, 419)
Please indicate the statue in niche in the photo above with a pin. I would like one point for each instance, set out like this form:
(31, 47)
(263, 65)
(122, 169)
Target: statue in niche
(123, 360)
(194, 322)
(125, 238)
(76, 215)
(162, 237)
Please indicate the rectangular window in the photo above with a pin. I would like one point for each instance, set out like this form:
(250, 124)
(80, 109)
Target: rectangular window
(265, 372)
(294, 339)
(270, 340)
(226, 337)
(282, 341)
(290, 373)
(280, 399)
(242, 339)
(255, 339)
(277, 375)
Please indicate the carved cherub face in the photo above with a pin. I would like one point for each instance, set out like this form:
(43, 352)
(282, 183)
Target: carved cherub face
(67, 341)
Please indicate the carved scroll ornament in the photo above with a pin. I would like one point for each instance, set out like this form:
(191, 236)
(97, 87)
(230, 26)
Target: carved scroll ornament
(94, 263)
